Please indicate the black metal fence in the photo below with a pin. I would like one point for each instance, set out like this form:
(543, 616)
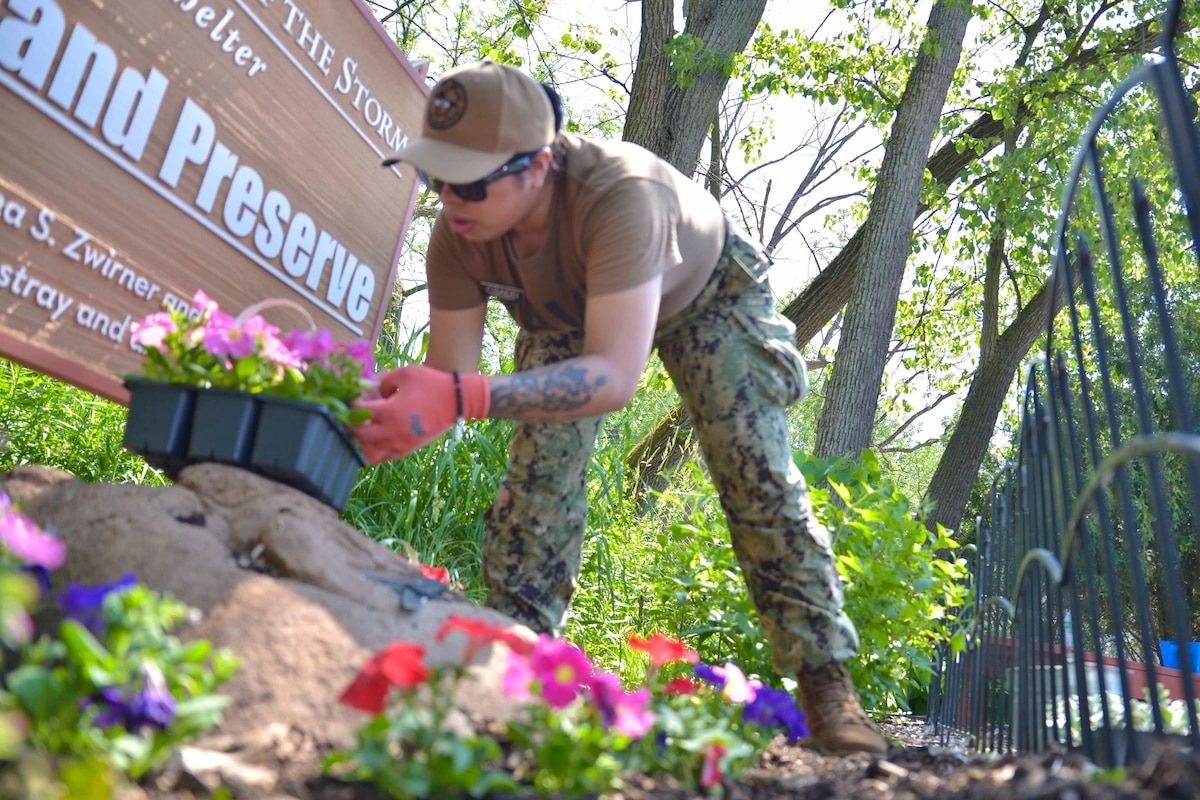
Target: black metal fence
(1087, 586)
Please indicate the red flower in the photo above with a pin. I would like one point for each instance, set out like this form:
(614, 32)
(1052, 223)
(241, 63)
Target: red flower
(481, 634)
(710, 773)
(435, 573)
(681, 686)
(664, 650)
(398, 664)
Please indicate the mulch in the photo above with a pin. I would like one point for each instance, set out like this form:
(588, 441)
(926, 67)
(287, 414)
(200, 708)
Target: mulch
(919, 766)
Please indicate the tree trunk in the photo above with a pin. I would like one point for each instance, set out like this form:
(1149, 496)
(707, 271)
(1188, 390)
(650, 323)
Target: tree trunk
(652, 78)
(671, 120)
(852, 393)
(950, 488)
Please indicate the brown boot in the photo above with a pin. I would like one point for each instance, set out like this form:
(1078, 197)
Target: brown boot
(838, 723)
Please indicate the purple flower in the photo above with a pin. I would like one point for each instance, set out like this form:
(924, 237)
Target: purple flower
(85, 604)
(775, 708)
(153, 706)
(30, 543)
(5, 503)
(40, 574)
(706, 673)
(115, 712)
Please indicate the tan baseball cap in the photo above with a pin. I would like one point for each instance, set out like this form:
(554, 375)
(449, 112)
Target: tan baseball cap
(477, 118)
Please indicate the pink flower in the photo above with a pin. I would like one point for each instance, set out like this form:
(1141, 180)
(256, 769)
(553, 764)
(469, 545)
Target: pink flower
(737, 688)
(259, 328)
(619, 709)
(203, 303)
(518, 675)
(151, 331)
(219, 321)
(561, 668)
(231, 342)
(30, 543)
(363, 353)
(710, 773)
(275, 350)
(309, 345)
(15, 626)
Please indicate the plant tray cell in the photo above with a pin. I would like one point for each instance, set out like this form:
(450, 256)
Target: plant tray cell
(160, 423)
(223, 426)
(296, 443)
(300, 444)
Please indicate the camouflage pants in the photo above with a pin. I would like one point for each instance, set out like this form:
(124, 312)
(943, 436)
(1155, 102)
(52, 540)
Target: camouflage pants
(733, 362)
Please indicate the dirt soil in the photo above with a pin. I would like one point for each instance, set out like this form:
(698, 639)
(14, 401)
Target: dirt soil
(917, 767)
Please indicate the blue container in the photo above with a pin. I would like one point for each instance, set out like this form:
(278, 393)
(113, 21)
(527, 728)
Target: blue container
(1171, 657)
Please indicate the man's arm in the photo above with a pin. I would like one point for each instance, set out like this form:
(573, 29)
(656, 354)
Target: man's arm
(618, 337)
(456, 339)
(417, 404)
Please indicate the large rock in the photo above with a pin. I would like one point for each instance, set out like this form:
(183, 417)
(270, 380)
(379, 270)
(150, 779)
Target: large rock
(279, 579)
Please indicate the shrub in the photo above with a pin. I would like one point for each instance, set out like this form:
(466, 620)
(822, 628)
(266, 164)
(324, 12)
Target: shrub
(900, 594)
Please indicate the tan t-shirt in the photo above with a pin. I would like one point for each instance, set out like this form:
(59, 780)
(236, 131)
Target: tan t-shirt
(620, 216)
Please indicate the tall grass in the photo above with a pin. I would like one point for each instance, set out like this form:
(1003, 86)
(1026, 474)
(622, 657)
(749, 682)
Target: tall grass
(45, 421)
(434, 500)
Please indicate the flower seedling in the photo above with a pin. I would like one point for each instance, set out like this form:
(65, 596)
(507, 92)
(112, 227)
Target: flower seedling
(211, 349)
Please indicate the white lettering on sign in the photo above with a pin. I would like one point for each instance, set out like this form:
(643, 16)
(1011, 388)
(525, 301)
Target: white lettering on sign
(299, 28)
(79, 248)
(106, 265)
(223, 31)
(308, 37)
(372, 111)
(87, 90)
(18, 281)
(85, 76)
(304, 251)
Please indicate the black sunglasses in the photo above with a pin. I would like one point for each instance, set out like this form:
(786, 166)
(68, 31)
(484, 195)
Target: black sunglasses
(476, 191)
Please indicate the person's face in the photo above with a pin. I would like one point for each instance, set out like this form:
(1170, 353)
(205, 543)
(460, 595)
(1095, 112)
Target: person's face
(508, 200)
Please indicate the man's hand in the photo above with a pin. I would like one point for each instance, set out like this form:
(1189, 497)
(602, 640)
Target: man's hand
(417, 405)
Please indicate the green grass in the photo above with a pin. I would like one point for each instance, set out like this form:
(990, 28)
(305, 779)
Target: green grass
(434, 500)
(45, 421)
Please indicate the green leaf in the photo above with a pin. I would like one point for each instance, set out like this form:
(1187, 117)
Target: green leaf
(38, 691)
(82, 647)
(197, 651)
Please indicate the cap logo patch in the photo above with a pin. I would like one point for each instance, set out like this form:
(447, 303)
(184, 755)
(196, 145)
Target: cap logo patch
(447, 105)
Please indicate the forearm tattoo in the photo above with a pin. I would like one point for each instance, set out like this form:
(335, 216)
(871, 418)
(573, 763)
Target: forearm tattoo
(556, 388)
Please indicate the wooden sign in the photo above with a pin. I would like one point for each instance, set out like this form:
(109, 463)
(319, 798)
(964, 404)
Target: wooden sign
(150, 148)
